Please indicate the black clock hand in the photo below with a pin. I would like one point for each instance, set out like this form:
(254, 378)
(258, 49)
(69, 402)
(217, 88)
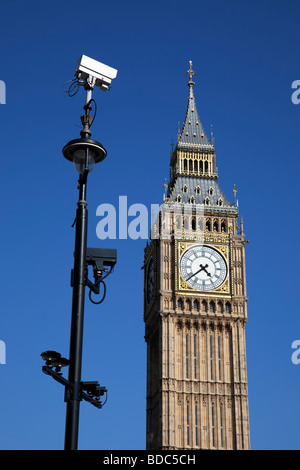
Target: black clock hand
(201, 269)
(206, 266)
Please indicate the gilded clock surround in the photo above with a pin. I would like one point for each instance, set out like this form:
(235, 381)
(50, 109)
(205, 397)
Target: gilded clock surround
(181, 247)
(197, 391)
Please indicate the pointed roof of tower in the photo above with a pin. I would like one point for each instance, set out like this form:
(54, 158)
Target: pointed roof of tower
(193, 134)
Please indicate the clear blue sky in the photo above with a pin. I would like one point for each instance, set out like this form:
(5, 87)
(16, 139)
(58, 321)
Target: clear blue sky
(246, 56)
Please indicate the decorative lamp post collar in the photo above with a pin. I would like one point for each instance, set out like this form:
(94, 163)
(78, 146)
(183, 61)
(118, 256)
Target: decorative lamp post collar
(84, 152)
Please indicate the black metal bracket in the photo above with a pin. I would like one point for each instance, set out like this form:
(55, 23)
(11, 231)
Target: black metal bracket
(91, 388)
(103, 261)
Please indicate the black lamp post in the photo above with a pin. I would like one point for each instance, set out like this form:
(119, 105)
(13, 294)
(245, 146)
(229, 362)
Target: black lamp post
(84, 153)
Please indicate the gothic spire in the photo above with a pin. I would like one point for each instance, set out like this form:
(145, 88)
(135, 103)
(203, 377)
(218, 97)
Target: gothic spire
(193, 134)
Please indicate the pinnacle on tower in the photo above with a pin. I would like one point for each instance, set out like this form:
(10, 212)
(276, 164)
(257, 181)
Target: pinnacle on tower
(193, 134)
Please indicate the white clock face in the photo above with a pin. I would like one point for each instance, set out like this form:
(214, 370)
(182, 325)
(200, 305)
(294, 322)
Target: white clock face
(203, 268)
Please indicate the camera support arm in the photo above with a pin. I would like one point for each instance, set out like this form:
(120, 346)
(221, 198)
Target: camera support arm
(89, 397)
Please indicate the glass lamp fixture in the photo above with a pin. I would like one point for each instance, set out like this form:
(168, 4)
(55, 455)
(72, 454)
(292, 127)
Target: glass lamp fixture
(84, 153)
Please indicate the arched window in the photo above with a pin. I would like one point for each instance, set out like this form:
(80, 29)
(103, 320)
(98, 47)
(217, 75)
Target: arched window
(186, 223)
(215, 226)
(179, 303)
(192, 200)
(185, 164)
(227, 307)
(207, 225)
(211, 306)
(185, 188)
(179, 198)
(207, 201)
(211, 191)
(211, 349)
(198, 190)
(187, 356)
(223, 226)
(220, 202)
(193, 223)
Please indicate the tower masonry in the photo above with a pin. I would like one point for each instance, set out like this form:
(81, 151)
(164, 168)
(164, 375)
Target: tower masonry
(195, 305)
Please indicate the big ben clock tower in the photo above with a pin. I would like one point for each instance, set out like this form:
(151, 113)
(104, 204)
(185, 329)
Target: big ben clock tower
(195, 305)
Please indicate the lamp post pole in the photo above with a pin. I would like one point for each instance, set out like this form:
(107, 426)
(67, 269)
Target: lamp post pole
(73, 397)
(76, 336)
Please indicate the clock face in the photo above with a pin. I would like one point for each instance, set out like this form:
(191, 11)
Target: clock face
(203, 268)
(150, 281)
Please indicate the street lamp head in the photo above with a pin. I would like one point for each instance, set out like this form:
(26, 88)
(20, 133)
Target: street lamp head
(84, 153)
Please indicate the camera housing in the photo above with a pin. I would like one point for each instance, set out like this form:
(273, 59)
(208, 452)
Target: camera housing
(102, 74)
(101, 257)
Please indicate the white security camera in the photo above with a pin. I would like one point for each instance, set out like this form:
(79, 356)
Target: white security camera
(95, 72)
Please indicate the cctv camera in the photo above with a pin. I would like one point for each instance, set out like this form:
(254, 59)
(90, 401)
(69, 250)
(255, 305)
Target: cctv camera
(101, 257)
(101, 74)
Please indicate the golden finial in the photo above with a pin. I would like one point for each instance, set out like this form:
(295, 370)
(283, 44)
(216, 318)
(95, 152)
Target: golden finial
(166, 187)
(242, 226)
(191, 72)
(234, 192)
(212, 134)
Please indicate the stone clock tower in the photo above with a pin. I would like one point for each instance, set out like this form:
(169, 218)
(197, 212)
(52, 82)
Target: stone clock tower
(195, 306)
